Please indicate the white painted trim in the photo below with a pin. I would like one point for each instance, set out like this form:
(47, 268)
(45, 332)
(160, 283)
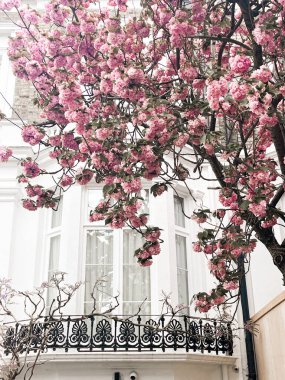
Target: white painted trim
(138, 357)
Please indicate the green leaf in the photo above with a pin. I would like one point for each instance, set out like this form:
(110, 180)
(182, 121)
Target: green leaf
(108, 220)
(244, 205)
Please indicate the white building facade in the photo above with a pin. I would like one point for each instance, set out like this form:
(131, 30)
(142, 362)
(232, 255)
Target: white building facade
(36, 244)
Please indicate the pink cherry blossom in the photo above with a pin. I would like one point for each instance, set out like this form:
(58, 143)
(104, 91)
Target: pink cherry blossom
(32, 135)
(240, 64)
(171, 96)
(30, 168)
(5, 153)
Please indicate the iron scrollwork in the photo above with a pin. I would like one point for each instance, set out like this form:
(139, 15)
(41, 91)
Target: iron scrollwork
(79, 334)
(103, 333)
(87, 333)
(151, 334)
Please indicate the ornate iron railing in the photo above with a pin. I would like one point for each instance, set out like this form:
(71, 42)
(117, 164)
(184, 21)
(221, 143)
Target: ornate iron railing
(139, 333)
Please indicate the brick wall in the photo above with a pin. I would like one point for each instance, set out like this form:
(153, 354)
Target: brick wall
(23, 102)
(24, 92)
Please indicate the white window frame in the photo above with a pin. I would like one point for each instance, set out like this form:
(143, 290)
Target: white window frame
(52, 232)
(117, 258)
(184, 232)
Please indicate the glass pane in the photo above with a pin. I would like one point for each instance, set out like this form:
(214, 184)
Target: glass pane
(54, 251)
(54, 254)
(99, 266)
(94, 197)
(104, 291)
(178, 211)
(132, 241)
(145, 206)
(136, 283)
(136, 279)
(99, 248)
(56, 215)
(131, 308)
(100, 308)
(182, 284)
(181, 253)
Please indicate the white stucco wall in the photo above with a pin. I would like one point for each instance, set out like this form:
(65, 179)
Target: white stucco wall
(158, 366)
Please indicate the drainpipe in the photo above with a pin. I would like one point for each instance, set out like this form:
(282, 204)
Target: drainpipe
(250, 354)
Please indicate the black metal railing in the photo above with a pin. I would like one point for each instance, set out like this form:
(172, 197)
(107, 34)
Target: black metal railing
(139, 333)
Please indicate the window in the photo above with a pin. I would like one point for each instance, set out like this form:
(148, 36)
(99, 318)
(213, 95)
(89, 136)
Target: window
(181, 235)
(110, 256)
(136, 280)
(179, 217)
(54, 233)
(99, 265)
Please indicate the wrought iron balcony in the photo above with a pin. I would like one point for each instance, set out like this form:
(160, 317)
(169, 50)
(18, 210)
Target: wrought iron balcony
(139, 333)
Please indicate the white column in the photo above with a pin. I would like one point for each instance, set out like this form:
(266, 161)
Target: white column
(7, 208)
(163, 270)
(71, 245)
(7, 84)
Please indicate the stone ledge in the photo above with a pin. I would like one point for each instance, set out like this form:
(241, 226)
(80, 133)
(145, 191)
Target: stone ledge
(138, 357)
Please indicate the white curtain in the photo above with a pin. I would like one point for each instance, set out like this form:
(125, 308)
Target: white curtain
(179, 217)
(56, 215)
(182, 270)
(99, 265)
(136, 279)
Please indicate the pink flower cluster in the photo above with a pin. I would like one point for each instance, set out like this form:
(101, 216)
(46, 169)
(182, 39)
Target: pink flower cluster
(239, 64)
(30, 168)
(133, 186)
(215, 92)
(32, 134)
(238, 91)
(263, 74)
(5, 153)
(7, 5)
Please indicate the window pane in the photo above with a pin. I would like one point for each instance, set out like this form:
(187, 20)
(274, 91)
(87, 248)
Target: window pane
(178, 211)
(99, 248)
(54, 251)
(94, 197)
(181, 251)
(99, 266)
(182, 270)
(136, 279)
(132, 241)
(103, 292)
(145, 206)
(136, 283)
(182, 284)
(100, 307)
(54, 254)
(131, 308)
(56, 215)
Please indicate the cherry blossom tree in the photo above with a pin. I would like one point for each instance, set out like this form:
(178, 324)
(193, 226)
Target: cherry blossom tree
(159, 95)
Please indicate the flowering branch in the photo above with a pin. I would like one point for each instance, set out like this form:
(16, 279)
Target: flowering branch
(158, 97)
